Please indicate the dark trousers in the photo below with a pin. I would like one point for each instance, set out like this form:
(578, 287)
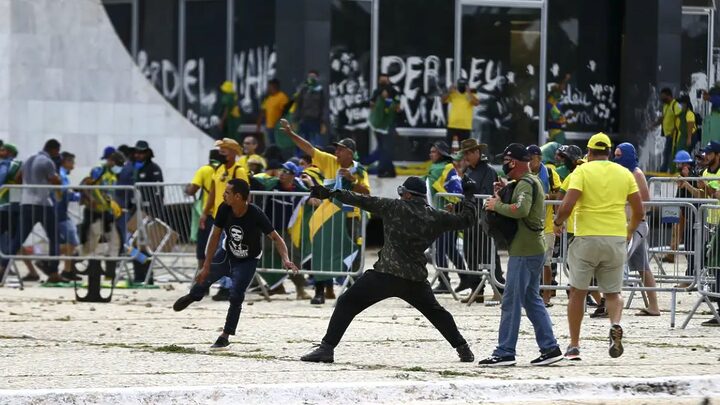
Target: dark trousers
(29, 216)
(373, 287)
(667, 155)
(383, 153)
(241, 272)
(447, 249)
(202, 238)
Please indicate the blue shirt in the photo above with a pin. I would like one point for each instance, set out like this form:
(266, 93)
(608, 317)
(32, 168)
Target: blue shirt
(126, 177)
(61, 208)
(544, 177)
(4, 169)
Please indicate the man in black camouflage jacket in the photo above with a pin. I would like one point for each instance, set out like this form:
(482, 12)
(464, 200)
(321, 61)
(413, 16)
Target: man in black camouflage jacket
(410, 226)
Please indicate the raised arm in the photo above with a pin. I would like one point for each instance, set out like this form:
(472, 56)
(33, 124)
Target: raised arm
(375, 205)
(301, 143)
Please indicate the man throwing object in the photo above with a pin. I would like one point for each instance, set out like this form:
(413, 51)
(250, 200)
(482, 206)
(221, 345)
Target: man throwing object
(410, 226)
(243, 224)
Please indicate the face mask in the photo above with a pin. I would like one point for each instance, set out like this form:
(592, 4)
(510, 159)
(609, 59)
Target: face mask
(311, 81)
(461, 88)
(116, 169)
(506, 168)
(222, 159)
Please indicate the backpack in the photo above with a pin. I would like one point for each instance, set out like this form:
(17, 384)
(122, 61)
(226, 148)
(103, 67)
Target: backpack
(501, 228)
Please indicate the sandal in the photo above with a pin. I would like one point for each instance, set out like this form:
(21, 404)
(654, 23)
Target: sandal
(645, 312)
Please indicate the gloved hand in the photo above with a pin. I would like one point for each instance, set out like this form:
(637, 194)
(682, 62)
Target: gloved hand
(469, 187)
(319, 192)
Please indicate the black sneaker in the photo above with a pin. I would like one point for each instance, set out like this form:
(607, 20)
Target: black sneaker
(616, 347)
(466, 355)
(495, 361)
(220, 343)
(318, 299)
(223, 294)
(323, 353)
(183, 302)
(712, 322)
(573, 353)
(548, 358)
(600, 312)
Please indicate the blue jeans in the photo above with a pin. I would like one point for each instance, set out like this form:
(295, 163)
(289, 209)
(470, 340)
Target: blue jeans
(384, 152)
(522, 290)
(241, 272)
(310, 130)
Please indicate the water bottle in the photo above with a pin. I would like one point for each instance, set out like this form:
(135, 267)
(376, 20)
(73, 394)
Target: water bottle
(137, 255)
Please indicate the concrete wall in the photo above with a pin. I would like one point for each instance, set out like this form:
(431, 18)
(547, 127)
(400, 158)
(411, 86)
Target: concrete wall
(65, 74)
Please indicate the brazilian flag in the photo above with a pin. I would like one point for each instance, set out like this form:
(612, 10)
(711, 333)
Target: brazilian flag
(332, 247)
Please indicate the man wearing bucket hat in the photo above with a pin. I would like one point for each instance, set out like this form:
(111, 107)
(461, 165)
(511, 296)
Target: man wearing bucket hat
(410, 226)
(229, 169)
(476, 246)
(600, 189)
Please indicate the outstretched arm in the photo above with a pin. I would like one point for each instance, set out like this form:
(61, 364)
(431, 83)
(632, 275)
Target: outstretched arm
(375, 205)
(301, 143)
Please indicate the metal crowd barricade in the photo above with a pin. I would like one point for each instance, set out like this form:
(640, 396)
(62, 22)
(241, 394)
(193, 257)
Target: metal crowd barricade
(325, 240)
(471, 252)
(66, 223)
(168, 229)
(708, 262)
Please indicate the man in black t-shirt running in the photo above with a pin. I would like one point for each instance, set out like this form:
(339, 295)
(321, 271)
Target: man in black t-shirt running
(243, 224)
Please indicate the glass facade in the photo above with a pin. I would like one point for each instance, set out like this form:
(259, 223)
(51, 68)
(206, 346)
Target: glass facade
(254, 56)
(585, 41)
(500, 49)
(501, 61)
(158, 47)
(350, 69)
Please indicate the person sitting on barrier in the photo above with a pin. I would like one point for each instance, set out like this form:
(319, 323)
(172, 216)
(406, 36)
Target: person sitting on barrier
(600, 190)
(476, 246)
(101, 210)
(550, 181)
(626, 157)
(527, 255)
(410, 226)
(341, 171)
(244, 224)
(202, 181)
(228, 169)
(67, 230)
(443, 178)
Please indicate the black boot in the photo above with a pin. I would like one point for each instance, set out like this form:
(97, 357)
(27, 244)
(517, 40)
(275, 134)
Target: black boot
(323, 353)
(319, 297)
(466, 355)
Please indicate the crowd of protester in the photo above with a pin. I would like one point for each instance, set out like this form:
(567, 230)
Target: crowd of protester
(291, 152)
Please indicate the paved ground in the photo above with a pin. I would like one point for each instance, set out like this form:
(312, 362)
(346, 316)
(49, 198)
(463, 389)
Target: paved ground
(47, 340)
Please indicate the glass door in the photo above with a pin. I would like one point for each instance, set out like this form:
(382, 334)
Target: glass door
(501, 50)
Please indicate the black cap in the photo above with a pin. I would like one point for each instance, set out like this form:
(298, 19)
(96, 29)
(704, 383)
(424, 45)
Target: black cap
(413, 185)
(534, 150)
(141, 146)
(516, 151)
(346, 143)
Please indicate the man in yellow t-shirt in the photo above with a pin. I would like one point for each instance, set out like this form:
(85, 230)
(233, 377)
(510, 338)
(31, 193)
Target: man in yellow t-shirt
(202, 181)
(249, 149)
(461, 101)
(271, 110)
(229, 169)
(598, 191)
(671, 111)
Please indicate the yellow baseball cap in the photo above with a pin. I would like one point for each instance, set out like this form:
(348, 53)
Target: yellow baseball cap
(599, 141)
